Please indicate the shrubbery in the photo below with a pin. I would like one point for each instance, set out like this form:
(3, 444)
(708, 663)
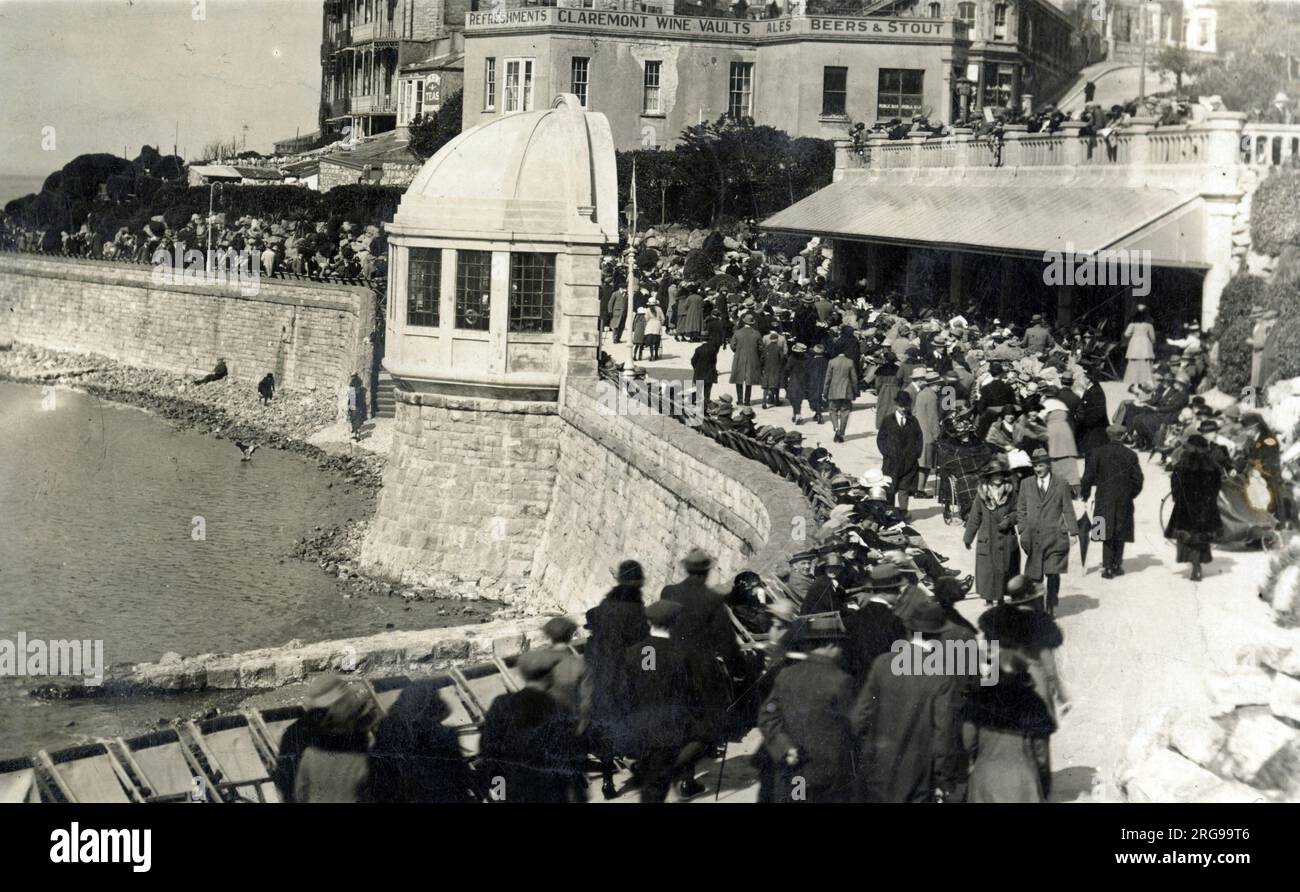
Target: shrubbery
(1275, 213)
(1233, 327)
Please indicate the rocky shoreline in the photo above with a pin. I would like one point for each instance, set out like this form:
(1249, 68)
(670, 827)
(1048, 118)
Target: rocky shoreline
(233, 411)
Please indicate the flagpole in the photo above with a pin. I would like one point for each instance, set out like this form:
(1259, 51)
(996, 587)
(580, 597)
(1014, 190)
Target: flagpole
(631, 244)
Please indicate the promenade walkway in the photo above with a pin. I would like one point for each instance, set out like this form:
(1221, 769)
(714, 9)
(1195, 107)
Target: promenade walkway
(1134, 646)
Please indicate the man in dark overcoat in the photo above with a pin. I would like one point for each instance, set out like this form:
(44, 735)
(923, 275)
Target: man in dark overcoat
(662, 704)
(1091, 416)
(901, 441)
(906, 720)
(747, 361)
(709, 640)
(805, 719)
(873, 628)
(1116, 473)
(1047, 525)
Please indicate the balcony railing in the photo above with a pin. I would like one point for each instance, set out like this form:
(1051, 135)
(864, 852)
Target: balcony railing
(372, 31)
(1270, 145)
(1213, 141)
(373, 105)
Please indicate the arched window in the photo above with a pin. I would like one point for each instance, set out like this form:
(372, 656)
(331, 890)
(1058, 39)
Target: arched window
(936, 10)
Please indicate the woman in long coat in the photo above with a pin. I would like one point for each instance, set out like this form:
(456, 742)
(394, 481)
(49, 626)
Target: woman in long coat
(1141, 337)
(746, 361)
(796, 379)
(886, 386)
(1195, 521)
(616, 623)
(773, 367)
(1060, 441)
(991, 526)
(1005, 729)
(692, 317)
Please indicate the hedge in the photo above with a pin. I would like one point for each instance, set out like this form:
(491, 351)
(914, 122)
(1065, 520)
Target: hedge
(1275, 213)
(1233, 326)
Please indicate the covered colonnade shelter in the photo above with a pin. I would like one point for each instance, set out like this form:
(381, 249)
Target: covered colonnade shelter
(1064, 224)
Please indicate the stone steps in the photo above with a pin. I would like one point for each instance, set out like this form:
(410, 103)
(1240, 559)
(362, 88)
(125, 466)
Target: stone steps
(385, 401)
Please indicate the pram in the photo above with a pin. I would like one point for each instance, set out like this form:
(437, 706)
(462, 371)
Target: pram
(959, 464)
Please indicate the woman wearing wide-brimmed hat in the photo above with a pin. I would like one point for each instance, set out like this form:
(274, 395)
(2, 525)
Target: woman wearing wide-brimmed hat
(886, 383)
(1005, 728)
(1141, 337)
(991, 527)
(616, 623)
(1195, 520)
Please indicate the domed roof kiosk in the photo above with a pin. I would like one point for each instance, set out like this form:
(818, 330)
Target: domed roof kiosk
(494, 268)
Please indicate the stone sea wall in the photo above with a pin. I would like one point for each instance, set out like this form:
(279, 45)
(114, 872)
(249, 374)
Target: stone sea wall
(466, 492)
(309, 335)
(537, 508)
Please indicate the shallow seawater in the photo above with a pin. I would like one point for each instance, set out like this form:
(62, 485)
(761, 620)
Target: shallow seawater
(115, 527)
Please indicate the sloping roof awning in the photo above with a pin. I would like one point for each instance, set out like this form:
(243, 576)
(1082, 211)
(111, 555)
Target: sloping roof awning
(1007, 219)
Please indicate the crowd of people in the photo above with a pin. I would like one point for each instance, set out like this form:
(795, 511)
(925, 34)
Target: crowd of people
(318, 250)
(1007, 424)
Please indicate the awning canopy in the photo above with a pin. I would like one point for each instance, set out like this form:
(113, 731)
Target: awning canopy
(1010, 219)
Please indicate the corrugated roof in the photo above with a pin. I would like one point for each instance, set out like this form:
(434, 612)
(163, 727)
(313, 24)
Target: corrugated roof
(384, 147)
(1008, 218)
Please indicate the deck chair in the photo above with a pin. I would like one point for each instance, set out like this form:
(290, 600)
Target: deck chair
(507, 674)
(487, 682)
(89, 773)
(19, 782)
(270, 725)
(236, 758)
(164, 767)
(387, 690)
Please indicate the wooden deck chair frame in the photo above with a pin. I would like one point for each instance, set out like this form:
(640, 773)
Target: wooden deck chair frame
(476, 711)
(27, 763)
(47, 763)
(258, 719)
(128, 759)
(507, 675)
(199, 742)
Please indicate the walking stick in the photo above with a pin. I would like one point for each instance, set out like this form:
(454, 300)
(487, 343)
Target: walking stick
(722, 766)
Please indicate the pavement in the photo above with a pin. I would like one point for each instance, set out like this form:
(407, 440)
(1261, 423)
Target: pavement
(1135, 646)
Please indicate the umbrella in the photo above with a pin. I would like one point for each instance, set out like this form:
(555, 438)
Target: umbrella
(1085, 534)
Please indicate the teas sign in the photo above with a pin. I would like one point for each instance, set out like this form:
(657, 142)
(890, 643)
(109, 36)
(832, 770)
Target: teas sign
(433, 92)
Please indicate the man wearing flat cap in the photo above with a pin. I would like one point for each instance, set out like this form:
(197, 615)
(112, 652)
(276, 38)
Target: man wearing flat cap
(529, 749)
(707, 636)
(906, 720)
(807, 737)
(1115, 471)
(664, 705)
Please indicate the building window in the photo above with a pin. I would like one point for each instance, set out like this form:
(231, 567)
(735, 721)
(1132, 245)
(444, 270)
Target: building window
(740, 94)
(419, 98)
(966, 13)
(1000, 22)
(473, 289)
(489, 84)
(518, 95)
(532, 292)
(579, 79)
(901, 91)
(998, 83)
(423, 283)
(835, 90)
(650, 91)
(936, 10)
(1205, 31)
